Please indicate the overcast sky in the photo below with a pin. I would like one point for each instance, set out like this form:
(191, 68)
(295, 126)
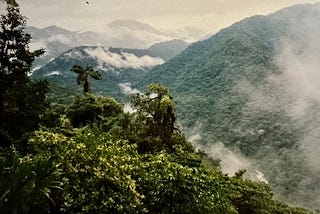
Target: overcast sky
(163, 14)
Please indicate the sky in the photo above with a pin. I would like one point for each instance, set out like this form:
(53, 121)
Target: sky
(209, 15)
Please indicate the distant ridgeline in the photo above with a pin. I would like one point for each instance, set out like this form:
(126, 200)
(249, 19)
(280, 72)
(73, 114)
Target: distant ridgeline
(243, 87)
(119, 67)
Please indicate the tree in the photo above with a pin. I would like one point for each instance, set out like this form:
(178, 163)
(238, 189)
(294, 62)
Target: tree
(155, 110)
(90, 109)
(172, 187)
(21, 99)
(83, 73)
(16, 58)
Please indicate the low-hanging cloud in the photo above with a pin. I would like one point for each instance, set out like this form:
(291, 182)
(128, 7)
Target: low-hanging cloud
(123, 60)
(293, 93)
(126, 89)
(231, 160)
(299, 61)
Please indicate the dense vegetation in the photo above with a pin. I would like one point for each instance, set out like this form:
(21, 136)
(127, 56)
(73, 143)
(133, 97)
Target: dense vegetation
(92, 157)
(232, 85)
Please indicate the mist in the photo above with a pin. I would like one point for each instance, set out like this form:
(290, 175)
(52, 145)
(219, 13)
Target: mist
(293, 94)
(281, 116)
(299, 61)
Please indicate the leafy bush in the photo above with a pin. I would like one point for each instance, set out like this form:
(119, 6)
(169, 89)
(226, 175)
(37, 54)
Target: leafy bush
(88, 109)
(95, 171)
(26, 182)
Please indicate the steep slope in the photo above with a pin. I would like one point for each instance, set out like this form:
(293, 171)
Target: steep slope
(235, 87)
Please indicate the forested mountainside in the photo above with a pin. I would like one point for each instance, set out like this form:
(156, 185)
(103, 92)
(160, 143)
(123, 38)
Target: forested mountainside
(91, 156)
(252, 87)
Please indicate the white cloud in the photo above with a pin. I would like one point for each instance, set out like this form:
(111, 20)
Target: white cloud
(231, 162)
(260, 176)
(123, 60)
(60, 38)
(37, 44)
(127, 90)
(299, 60)
(53, 73)
(128, 38)
(73, 54)
(128, 108)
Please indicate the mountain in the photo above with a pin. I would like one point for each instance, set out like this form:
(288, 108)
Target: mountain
(121, 33)
(250, 96)
(189, 33)
(119, 67)
(134, 26)
(169, 49)
(134, 34)
(57, 40)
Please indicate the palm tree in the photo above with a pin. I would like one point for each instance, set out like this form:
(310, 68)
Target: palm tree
(83, 73)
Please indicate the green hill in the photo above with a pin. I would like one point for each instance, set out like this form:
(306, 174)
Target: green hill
(235, 86)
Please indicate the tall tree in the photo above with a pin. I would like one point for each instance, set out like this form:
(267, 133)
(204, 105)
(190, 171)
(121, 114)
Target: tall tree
(155, 109)
(16, 57)
(21, 99)
(83, 73)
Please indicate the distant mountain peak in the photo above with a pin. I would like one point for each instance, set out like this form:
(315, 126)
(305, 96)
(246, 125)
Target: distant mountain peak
(133, 25)
(56, 29)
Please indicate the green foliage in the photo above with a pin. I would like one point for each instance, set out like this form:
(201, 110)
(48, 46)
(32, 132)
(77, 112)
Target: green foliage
(232, 86)
(91, 157)
(95, 171)
(83, 73)
(21, 100)
(99, 169)
(171, 187)
(155, 110)
(11, 2)
(61, 94)
(26, 182)
(15, 58)
(23, 105)
(51, 117)
(252, 197)
(89, 109)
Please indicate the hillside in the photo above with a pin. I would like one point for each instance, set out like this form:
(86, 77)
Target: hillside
(241, 88)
